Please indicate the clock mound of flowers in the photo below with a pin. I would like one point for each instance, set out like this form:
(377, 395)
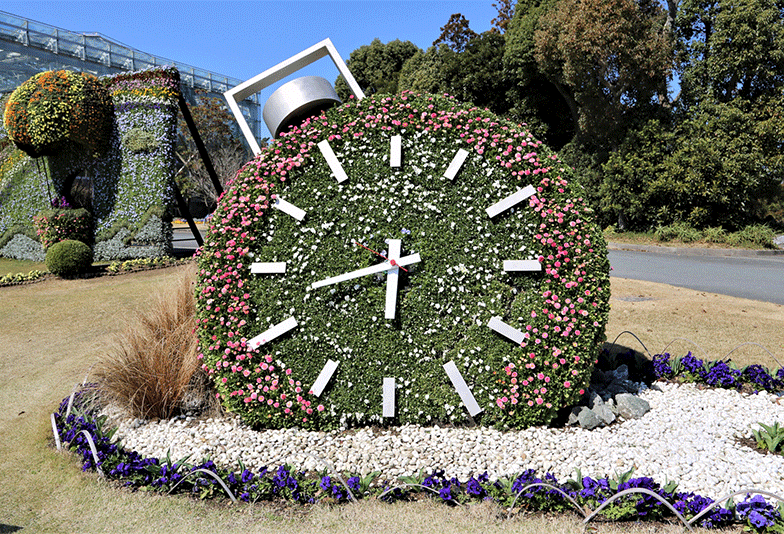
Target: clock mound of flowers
(444, 302)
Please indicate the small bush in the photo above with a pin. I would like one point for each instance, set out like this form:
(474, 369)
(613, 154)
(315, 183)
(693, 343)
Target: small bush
(681, 231)
(153, 370)
(22, 247)
(12, 232)
(758, 235)
(666, 233)
(715, 235)
(68, 258)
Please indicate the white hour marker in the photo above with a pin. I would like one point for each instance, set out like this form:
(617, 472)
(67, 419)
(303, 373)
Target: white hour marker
(323, 377)
(509, 332)
(389, 397)
(522, 265)
(332, 161)
(268, 267)
(288, 208)
(462, 388)
(511, 201)
(457, 162)
(271, 333)
(395, 151)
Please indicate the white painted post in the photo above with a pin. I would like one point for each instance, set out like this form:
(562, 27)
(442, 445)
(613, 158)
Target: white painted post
(389, 397)
(510, 201)
(332, 161)
(395, 151)
(456, 164)
(460, 385)
(323, 378)
(289, 209)
(508, 331)
(522, 265)
(271, 333)
(268, 267)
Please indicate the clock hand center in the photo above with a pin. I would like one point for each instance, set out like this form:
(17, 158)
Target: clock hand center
(391, 262)
(373, 269)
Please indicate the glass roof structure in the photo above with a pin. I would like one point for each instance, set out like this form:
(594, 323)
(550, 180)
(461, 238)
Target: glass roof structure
(28, 47)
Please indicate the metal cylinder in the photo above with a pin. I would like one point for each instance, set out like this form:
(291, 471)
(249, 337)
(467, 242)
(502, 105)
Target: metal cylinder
(295, 101)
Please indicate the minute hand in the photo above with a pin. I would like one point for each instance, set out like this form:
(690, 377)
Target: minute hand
(373, 269)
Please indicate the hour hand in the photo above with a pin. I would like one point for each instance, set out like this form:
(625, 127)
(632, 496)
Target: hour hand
(373, 269)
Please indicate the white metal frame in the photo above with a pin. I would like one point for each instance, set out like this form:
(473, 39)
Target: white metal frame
(280, 71)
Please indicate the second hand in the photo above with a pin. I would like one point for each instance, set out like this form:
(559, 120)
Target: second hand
(391, 262)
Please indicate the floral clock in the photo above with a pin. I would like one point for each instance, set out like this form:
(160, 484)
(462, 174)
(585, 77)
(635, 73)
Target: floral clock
(402, 259)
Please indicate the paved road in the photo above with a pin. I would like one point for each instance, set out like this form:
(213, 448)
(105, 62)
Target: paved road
(743, 275)
(750, 277)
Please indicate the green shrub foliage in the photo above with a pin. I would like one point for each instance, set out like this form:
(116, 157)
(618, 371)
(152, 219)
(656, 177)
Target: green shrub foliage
(444, 302)
(139, 140)
(56, 107)
(68, 258)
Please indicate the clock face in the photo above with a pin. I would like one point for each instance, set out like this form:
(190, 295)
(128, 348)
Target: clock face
(402, 260)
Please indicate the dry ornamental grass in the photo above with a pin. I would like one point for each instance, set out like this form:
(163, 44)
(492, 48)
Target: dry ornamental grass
(153, 365)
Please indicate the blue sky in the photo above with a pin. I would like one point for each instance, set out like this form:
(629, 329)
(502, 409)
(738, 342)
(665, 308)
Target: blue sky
(242, 39)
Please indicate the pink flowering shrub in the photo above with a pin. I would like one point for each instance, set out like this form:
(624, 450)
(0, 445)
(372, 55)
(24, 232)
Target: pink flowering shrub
(444, 302)
(60, 224)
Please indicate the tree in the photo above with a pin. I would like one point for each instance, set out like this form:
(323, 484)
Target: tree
(549, 109)
(730, 50)
(730, 111)
(376, 67)
(456, 33)
(475, 75)
(636, 187)
(216, 126)
(612, 56)
(429, 72)
(506, 10)
(709, 170)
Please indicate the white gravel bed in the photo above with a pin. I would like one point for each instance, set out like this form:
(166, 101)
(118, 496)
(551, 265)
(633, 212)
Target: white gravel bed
(689, 436)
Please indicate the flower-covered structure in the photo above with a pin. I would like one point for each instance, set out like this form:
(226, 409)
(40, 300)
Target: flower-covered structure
(327, 369)
(126, 147)
(56, 108)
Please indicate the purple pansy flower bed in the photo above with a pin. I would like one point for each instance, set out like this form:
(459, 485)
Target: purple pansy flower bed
(528, 490)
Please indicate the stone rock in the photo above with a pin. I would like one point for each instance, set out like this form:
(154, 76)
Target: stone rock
(585, 417)
(623, 386)
(630, 406)
(603, 412)
(594, 398)
(588, 419)
(621, 373)
(572, 420)
(779, 241)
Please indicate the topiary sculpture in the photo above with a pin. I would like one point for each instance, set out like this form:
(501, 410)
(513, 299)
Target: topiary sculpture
(55, 108)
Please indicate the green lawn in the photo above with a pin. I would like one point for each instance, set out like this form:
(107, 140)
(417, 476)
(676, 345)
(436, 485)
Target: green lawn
(9, 266)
